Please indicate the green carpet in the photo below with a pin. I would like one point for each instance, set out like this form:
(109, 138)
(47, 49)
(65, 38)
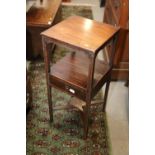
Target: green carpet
(84, 11)
(64, 135)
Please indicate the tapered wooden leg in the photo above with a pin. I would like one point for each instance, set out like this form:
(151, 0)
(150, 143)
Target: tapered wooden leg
(46, 46)
(85, 119)
(49, 89)
(89, 93)
(106, 95)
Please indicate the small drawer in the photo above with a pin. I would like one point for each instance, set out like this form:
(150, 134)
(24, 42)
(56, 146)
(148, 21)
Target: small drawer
(75, 91)
(66, 87)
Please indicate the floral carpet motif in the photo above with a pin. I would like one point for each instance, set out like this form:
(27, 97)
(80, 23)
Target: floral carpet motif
(64, 136)
(84, 11)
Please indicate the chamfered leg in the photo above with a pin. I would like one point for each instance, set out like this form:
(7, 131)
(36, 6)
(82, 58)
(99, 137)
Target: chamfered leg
(86, 110)
(49, 91)
(46, 46)
(106, 95)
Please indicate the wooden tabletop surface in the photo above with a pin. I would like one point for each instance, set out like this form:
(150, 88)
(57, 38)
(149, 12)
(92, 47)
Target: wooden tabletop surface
(81, 33)
(42, 12)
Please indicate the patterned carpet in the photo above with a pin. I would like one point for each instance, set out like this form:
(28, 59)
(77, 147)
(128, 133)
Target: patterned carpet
(64, 135)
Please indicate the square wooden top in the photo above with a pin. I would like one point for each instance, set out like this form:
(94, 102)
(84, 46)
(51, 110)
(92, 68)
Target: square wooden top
(81, 33)
(42, 12)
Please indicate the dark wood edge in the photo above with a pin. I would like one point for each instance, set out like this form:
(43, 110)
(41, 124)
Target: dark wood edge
(110, 39)
(53, 40)
(39, 25)
(64, 44)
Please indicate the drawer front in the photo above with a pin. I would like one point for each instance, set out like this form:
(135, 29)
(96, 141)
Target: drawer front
(68, 88)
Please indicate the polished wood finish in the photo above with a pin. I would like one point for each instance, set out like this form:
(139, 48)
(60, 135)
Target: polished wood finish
(79, 73)
(78, 65)
(91, 37)
(117, 14)
(41, 15)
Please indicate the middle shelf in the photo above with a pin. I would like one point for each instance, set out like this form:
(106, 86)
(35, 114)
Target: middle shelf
(71, 73)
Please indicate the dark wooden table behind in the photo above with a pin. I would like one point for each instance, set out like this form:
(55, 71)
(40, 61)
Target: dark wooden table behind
(41, 15)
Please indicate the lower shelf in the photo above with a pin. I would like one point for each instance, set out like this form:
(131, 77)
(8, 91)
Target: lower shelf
(79, 104)
(70, 74)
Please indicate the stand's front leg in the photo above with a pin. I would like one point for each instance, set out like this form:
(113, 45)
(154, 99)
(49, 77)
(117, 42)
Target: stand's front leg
(86, 119)
(106, 95)
(86, 109)
(47, 68)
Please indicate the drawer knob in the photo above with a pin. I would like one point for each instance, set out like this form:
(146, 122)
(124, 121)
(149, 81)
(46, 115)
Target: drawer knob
(72, 90)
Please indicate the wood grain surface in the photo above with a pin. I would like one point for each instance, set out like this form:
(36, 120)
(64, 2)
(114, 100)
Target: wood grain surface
(81, 33)
(42, 13)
